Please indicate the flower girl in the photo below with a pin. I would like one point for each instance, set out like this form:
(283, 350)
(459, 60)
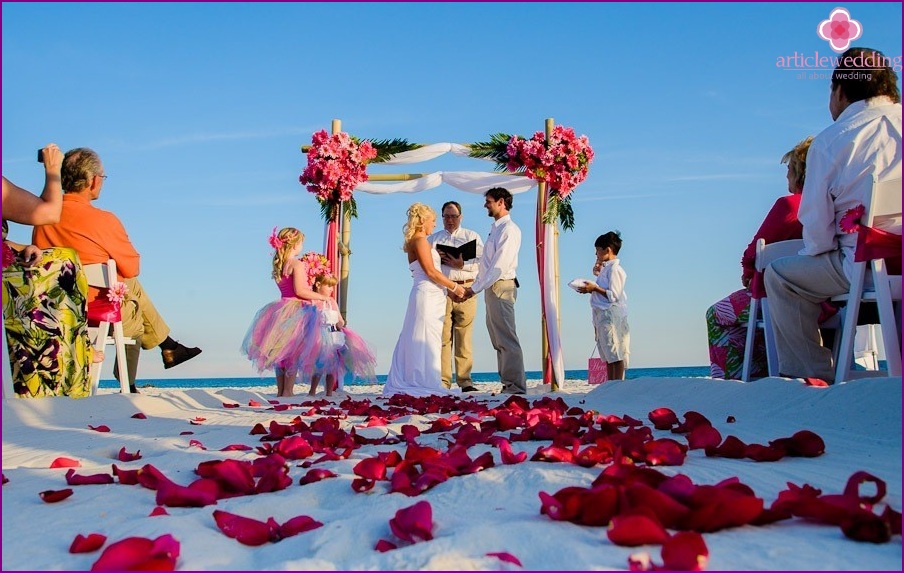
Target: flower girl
(277, 336)
(341, 349)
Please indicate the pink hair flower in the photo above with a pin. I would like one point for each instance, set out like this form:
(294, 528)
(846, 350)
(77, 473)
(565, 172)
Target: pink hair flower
(275, 241)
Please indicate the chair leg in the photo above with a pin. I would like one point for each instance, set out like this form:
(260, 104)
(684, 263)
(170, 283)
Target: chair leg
(888, 321)
(844, 358)
(751, 336)
(99, 343)
(769, 337)
(118, 338)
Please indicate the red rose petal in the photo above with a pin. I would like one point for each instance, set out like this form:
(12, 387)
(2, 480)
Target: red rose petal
(139, 553)
(361, 485)
(663, 418)
(126, 477)
(685, 551)
(158, 511)
(245, 530)
(101, 428)
(316, 475)
(299, 524)
(72, 478)
(125, 456)
(634, 530)
(174, 495)
(703, 437)
(371, 468)
(414, 523)
(866, 526)
(65, 463)
(227, 405)
(383, 546)
(139, 416)
(254, 404)
(92, 542)
(507, 557)
(53, 496)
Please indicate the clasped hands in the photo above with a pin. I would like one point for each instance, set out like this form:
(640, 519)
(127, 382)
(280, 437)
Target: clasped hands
(466, 293)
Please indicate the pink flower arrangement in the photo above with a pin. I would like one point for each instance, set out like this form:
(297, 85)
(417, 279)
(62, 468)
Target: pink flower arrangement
(317, 265)
(562, 162)
(336, 165)
(117, 292)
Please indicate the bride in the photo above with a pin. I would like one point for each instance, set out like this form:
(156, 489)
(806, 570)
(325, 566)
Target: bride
(415, 368)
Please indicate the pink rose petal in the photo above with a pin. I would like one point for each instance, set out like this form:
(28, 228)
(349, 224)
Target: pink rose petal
(245, 530)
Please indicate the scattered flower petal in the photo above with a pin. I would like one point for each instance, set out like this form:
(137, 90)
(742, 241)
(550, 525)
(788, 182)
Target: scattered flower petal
(53, 496)
(125, 456)
(83, 544)
(139, 553)
(414, 523)
(65, 463)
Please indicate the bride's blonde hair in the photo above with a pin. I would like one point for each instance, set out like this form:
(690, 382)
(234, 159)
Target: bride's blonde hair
(417, 218)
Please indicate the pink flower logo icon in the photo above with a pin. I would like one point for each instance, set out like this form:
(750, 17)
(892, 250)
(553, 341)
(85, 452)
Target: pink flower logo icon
(839, 30)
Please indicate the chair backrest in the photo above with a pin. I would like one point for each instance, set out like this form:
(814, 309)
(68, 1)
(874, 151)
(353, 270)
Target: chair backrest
(101, 275)
(765, 254)
(884, 209)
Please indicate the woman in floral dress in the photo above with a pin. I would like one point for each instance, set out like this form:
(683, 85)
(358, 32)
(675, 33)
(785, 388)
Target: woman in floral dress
(46, 325)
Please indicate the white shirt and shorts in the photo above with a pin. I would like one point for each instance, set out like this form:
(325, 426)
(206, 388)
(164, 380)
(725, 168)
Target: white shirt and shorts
(610, 313)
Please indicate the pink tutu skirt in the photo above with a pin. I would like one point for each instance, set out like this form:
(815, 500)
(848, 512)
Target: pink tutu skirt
(341, 352)
(280, 336)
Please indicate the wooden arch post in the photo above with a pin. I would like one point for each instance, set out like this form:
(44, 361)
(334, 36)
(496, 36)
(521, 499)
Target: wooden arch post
(546, 362)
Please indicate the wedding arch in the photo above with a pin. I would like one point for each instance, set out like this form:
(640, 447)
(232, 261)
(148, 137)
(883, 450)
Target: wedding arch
(554, 160)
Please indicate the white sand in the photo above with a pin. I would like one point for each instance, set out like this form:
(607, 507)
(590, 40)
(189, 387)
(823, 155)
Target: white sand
(495, 510)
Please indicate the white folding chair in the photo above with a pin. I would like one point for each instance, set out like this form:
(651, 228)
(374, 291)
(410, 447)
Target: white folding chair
(765, 254)
(103, 275)
(884, 210)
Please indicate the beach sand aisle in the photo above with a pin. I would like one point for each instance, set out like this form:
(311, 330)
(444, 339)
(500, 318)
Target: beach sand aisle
(493, 511)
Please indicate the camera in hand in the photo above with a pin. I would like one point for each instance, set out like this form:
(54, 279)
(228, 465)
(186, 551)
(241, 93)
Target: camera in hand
(40, 156)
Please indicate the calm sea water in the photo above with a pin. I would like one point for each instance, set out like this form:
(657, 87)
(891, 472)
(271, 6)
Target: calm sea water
(680, 372)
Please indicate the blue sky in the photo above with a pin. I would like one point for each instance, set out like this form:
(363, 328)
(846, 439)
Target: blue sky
(199, 111)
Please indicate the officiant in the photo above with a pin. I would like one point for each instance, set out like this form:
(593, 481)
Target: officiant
(459, 324)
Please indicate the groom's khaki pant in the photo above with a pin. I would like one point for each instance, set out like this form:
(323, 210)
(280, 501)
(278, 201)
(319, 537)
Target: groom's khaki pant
(500, 301)
(795, 287)
(457, 331)
(141, 321)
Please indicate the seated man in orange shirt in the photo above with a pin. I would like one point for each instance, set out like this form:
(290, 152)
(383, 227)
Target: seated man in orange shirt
(97, 236)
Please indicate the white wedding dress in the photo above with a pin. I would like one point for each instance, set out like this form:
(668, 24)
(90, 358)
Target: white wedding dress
(415, 368)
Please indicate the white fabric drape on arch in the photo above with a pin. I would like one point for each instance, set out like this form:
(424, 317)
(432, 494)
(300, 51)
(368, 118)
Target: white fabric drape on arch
(479, 182)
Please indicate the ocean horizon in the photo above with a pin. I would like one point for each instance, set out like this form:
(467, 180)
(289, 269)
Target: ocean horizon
(478, 377)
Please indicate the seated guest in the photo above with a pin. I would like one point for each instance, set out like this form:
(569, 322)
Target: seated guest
(44, 297)
(97, 236)
(863, 142)
(725, 320)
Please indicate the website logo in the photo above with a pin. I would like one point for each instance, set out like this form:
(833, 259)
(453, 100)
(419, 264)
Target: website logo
(839, 30)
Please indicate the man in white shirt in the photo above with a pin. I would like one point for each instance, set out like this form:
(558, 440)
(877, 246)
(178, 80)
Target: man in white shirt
(865, 140)
(496, 274)
(459, 324)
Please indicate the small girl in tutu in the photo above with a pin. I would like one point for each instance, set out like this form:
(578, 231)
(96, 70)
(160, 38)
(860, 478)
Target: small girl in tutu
(276, 338)
(341, 349)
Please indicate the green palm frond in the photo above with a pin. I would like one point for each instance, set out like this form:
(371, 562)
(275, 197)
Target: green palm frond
(494, 149)
(559, 209)
(386, 148)
(330, 209)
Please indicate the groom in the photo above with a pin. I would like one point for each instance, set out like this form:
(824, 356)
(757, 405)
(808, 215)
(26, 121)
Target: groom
(496, 273)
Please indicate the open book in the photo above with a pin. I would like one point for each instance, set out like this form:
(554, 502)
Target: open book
(466, 251)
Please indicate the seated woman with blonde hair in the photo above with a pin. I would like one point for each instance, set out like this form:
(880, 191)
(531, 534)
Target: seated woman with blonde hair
(725, 319)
